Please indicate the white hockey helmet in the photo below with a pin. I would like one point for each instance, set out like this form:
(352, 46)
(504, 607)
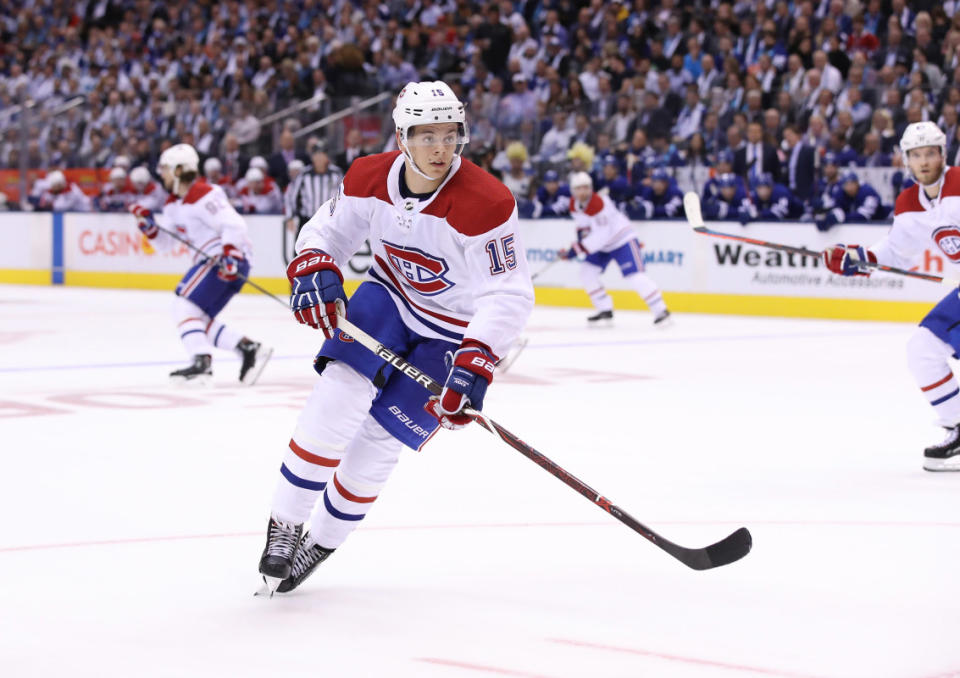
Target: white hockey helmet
(578, 179)
(140, 176)
(56, 179)
(118, 174)
(183, 156)
(295, 165)
(259, 162)
(122, 161)
(211, 165)
(920, 134)
(254, 174)
(421, 103)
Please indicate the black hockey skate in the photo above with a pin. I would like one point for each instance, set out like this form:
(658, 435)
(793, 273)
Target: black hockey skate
(276, 562)
(662, 319)
(199, 371)
(597, 318)
(253, 357)
(308, 557)
(946, 455)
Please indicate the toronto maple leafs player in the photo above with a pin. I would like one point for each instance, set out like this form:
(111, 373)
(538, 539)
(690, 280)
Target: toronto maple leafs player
(925, 216)
(448, 289)
(201, 215)
(604, 234)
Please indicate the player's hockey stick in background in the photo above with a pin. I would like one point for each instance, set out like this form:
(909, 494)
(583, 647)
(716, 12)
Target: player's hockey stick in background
(207, 257)
(543, 270)
(691, 205)
(730, 549)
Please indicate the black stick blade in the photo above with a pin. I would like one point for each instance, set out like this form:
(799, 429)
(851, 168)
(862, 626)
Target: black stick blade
(731, 549)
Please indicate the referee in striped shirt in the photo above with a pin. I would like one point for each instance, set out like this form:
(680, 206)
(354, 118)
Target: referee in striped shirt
(312, 187)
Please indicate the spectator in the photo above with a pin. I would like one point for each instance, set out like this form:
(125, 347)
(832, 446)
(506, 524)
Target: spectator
(277, 163)
(653, 120)
(516, 178)
(353, 149)
(756, 156)
(799, 167)
(54, 193)
(857, 202)
(310, 190)
(873, 155)
(690, 116)
(769, 201)
(554, 144)
(828, 189)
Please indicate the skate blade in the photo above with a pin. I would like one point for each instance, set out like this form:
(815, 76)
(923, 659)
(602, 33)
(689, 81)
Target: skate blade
(263, 356)
(194, 382)
(270, 585)
(664, 324)
(951, 464)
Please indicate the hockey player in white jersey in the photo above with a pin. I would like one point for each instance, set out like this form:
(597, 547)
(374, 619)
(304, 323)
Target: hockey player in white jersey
(604, 234)
(201, 215)
(926, 215)
(448, 289)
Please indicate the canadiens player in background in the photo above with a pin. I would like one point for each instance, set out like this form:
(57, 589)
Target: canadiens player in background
(605, 234)
(925, 215)
(448, 289)
(201, 214)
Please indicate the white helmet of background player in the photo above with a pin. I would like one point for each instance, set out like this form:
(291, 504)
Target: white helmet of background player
(212, 166)
(56, 181)
(182, 157)
(139, 177)
(422, 103)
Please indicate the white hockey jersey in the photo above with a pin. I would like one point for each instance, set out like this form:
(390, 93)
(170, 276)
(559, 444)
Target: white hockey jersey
(601, 227)
(268, 200)
(206, 219)
(919, 223)
(113, 200)
(453, 264)
(68, 199)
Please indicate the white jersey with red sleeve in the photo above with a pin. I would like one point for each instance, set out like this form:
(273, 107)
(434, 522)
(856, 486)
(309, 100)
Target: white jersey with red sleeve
(206, 219)
(113, 200)
(267, 200)
(919, 223)
(453, 263)
(601, 227)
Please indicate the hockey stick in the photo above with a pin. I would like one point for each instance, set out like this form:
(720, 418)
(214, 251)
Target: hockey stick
(691, 205)
(730, 549)
(207, 257)
(543, 270)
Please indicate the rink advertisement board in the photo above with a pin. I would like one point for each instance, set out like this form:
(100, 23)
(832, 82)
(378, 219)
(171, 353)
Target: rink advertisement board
(697, 273)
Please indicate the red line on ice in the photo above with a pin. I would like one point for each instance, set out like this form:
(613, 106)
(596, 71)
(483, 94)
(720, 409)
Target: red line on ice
(479, 667)
(679, 658)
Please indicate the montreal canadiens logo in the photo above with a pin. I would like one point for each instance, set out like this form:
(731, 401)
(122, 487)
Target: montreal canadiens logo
(948, 240)
(423, 272)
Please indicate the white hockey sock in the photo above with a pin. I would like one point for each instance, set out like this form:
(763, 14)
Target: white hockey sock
(192, 326)
(590, 277)
(333, 413)
(367, 463)
(648, 291)
(927, 358)
(222, 336)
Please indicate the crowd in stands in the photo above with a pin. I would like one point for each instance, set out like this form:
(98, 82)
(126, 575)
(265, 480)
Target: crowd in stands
(781, 100)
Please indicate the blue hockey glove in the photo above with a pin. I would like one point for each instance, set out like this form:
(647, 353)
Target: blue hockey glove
(316, 286)
(471, 371)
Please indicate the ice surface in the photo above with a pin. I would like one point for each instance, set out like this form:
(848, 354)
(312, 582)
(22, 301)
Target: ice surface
(133, 512)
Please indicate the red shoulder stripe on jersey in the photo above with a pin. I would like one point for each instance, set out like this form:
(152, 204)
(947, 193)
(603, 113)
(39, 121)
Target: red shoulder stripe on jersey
(473, 202)
(573, 204)
(594, 206)
(347, 494)
(951, 182)
(367, 176)
(908, 201)
(396, 283)
(169, 200)
(312, 458)
(199, 189)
